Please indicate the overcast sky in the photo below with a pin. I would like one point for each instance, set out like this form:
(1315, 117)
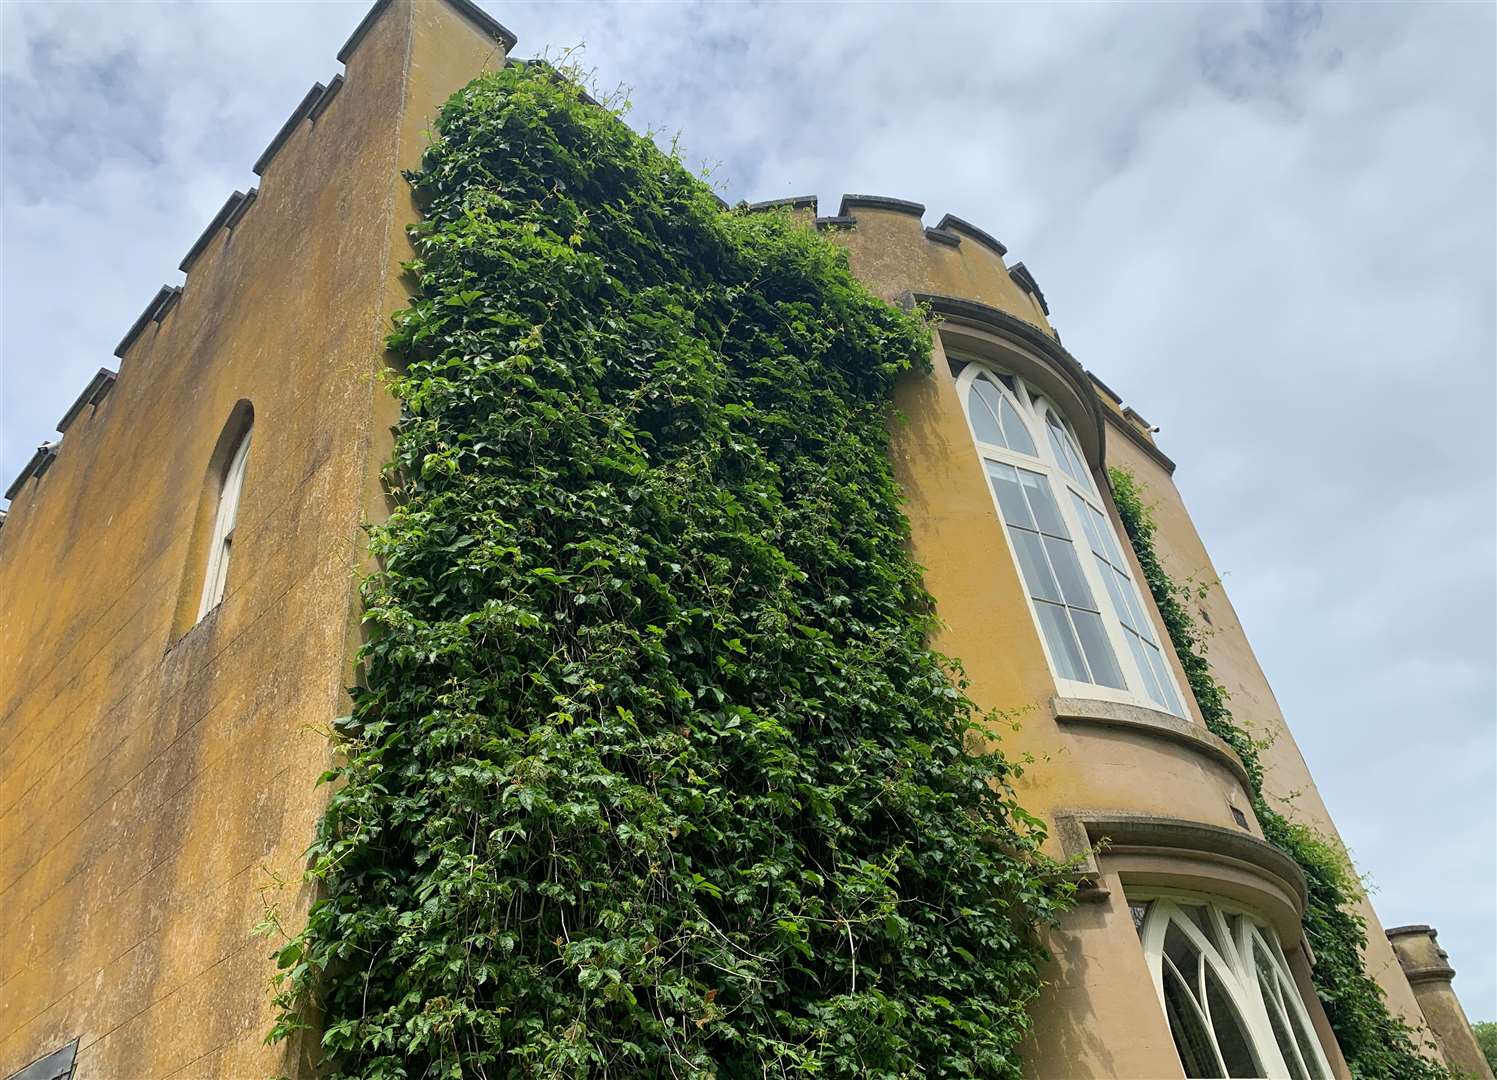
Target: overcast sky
(1270, 228)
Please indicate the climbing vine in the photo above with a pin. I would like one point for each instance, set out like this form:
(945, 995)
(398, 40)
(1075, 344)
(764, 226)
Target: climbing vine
(1377, 1045)
(650, 771)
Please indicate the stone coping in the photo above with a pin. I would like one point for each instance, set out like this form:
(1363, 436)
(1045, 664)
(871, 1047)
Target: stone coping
(1080, 832)
(1411, 928)
(470, 11)
(95, 392)
(952, 223)
(880, 202)
(1152, 724)
(986, 317)
(300, 113)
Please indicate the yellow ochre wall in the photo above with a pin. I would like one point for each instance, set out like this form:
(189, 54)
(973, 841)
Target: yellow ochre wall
(149, 787)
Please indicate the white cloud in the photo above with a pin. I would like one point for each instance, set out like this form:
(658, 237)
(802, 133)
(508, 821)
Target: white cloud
(1271, 227)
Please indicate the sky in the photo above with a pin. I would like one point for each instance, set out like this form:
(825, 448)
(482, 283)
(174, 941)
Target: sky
(1271, 227)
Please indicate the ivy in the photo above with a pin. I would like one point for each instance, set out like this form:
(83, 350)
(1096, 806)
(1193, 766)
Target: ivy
(1377, 1045)
(651, 771)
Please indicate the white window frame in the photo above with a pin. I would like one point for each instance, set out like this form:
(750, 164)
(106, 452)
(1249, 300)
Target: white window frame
(1237, 975)
(225, 517)
(1032, 407)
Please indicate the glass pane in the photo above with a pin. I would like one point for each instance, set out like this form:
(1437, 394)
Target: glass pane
(1139, 913)
(1136, 617)
(1186, 1027)
(1151, 681)
(1059, 450)
(982, 407)
(1104, 530)
(1119, 595)
(1037, 577)
(1089, 523)
(1084, 476)
(1104, 664)
(1043, 504)
(1308, 1045)
(1170, 699)
(1005, 481)
(1231, 1036)
(1275, 1010)
(1018, 434)
(1181, 951)
(1062, 641)
(1068, 570)
(1008, 381)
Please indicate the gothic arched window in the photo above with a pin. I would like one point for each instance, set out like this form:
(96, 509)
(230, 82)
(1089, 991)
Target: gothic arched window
(1231, 1003)
(221, 540)
(1091, 616)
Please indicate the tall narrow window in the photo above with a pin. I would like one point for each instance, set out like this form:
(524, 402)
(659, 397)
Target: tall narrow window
(1233, 1008)
(1090, 614)
(221, 541)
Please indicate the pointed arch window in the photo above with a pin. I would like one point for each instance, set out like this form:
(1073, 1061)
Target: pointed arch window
(1091, 617)
(221, 540)
(1232, 1006)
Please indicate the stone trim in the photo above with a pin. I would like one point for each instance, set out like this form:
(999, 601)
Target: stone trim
(163, 294)
(985, 317)
(1109, 391)
(953, 223)
(58, 1065)
(240, 210)
(334, 85)
(1025, 280)
(1080, 831)
(95, 392)
(1429, 973)
(793, 202)
(879, 202)
(221, 218)
(297, 116)
(839, 221)
(1150, 724)
(1136, 437)
(472, 12)
(40, 462)
(940, 236)
(1411, 928)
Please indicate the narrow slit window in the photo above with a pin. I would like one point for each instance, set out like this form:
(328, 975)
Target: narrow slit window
(221, 541)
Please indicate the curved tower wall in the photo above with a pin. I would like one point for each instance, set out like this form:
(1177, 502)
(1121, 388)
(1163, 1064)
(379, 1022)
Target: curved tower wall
(1168, 799)
(1427, 968)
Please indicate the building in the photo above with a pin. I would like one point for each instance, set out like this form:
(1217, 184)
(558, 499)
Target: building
(177, 645)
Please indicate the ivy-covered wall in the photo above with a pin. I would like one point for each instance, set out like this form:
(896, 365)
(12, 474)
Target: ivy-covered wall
(651, 771)
(1376, 1044)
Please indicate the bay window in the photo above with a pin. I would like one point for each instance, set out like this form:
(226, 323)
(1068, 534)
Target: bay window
(1096, 631)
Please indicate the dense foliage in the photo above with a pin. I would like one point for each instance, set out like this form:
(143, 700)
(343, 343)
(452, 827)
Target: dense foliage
(651, 772)
(1486, 1038)
(1377, 1045)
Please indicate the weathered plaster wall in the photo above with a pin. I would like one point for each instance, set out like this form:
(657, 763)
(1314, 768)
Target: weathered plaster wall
(150, 786)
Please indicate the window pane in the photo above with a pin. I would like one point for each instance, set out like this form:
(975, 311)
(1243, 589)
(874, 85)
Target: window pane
(1104, 664)
(1136, 618)
(1186, 1027)
(1062, 641)
(1104, 530)
(1171, 699)
(1151, 681)
(1088, 522)
(1068, 570)
(1276, 1020)
(1018, 434)
(1119, 596)
(1231, 1037)
(1005, 481)
(1037, 576)
(982, 407)
(1043, 504)
(1307, 1047)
